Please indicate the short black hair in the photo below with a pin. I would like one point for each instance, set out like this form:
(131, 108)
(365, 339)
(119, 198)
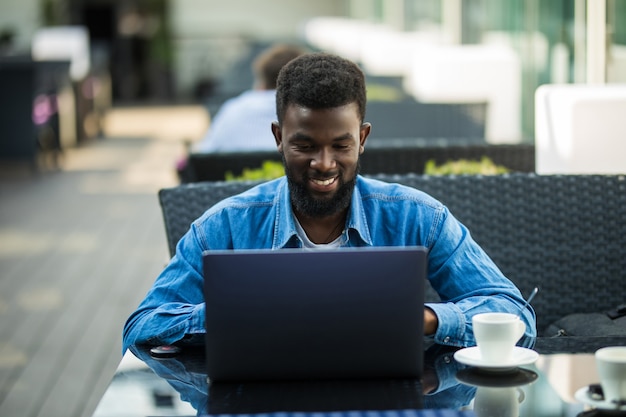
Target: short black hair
(320, 80)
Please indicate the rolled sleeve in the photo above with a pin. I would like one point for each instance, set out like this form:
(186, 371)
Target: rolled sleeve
(451, 330)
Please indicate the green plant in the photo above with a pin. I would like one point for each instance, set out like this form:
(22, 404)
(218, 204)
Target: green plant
(380, 92)
(463, 166)
(268, 171)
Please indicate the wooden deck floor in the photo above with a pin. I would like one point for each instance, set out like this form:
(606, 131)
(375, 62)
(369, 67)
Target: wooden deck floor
(79, 248)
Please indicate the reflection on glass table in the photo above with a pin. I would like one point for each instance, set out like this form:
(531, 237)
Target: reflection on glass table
(178, 385)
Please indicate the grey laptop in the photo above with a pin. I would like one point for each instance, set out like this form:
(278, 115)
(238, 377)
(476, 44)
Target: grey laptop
(295, 314)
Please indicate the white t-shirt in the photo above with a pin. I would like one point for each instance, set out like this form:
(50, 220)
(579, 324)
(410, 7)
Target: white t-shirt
(307, 244)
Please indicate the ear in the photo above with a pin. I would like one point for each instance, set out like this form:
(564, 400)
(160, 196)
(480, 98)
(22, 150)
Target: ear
(278, 136)
(366, 128)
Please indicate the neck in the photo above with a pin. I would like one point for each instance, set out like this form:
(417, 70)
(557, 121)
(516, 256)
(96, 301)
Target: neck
(324, 229)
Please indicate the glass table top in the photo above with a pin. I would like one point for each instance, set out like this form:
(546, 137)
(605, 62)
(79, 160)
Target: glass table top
(553, 385)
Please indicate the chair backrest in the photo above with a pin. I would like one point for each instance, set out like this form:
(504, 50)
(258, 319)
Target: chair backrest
(182, 204)
(563, 233)
(579, 128)
(410, 118)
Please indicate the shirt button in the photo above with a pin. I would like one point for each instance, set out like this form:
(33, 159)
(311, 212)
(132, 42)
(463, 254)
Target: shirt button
(447, 339)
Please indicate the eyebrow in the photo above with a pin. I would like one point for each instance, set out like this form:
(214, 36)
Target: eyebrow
(302, 136)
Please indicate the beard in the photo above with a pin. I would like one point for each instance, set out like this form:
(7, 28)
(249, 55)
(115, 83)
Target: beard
(309, 205)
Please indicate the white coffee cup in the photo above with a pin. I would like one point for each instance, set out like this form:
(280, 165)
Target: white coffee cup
(611, 366)
(496, 335)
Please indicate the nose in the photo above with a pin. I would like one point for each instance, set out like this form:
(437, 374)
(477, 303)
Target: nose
(324, 160)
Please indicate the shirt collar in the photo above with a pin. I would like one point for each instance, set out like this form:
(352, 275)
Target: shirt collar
(285, 227)
(357, 221)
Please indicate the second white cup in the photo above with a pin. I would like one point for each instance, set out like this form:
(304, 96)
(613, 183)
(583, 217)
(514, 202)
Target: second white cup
(496, 335)
(611, 365)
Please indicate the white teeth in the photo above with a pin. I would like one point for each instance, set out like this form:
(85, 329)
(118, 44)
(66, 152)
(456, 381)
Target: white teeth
(324, 182)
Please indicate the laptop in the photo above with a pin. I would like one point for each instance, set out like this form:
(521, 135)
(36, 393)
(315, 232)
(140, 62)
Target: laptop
(296, 314)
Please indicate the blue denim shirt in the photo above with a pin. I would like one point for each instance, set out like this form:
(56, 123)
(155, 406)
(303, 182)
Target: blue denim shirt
(381, 214)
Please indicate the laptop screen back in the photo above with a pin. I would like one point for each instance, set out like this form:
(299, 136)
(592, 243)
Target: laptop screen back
(295, 314)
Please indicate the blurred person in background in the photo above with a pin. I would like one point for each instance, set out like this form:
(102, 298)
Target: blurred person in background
(244, 123)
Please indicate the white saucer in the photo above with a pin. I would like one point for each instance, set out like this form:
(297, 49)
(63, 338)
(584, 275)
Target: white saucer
(584, 397)
(471, 356)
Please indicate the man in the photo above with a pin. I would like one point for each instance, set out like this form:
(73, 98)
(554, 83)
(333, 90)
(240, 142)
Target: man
(243, 122)
(323, 202)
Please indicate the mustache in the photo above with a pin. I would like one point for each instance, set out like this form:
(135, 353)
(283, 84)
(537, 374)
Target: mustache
(321, 175)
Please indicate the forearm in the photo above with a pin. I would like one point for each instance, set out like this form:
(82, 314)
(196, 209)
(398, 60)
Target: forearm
(174, 306)
(164, 325)
(468, 283)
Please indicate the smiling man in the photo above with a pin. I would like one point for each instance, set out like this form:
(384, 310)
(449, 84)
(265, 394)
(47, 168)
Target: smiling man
(322, 202)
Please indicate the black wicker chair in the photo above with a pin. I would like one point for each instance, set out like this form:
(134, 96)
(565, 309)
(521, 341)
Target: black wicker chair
(563, 233)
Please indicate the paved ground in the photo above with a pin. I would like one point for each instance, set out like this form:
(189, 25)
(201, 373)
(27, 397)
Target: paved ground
(79, 248)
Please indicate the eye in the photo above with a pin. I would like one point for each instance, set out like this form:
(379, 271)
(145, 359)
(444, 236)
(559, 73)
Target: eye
(303, 147)
(342, 146)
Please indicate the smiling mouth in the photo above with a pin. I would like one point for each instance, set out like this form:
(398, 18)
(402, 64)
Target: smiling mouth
(325, 182)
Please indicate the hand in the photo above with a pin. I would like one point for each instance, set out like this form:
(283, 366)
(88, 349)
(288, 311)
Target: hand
(430, 321)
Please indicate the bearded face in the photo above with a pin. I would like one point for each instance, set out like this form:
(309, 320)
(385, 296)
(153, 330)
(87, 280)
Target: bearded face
(313, 204)
(320, 150)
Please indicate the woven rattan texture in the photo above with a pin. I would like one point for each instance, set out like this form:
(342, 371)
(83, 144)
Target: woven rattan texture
(183, 204)
(563, 233)
(380, 157)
